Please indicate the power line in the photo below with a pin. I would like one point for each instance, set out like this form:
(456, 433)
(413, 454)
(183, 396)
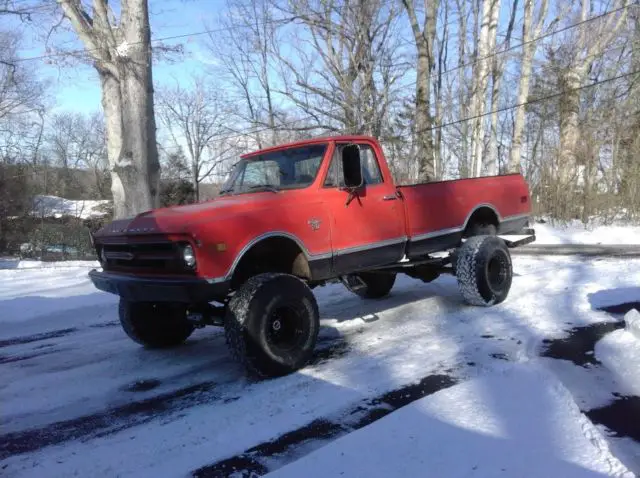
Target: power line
(513, 47)
(541, 37)
(289, 20)
(528, 102)
(452, 123)
(153, 40)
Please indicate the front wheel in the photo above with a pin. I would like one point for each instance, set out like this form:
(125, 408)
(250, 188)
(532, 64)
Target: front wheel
(484, 270)
(271, 325)
(155, 325)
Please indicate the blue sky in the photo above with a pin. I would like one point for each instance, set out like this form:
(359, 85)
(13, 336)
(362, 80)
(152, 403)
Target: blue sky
(76, 87)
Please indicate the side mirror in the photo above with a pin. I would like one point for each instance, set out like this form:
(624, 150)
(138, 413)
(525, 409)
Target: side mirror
(352, 167)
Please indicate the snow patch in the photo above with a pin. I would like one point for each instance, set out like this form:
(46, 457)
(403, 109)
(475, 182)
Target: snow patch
(516, 422)
(632, 323)
(32, 264)
(606, 298)
(54, 206)
(619, 351)
(575, 232)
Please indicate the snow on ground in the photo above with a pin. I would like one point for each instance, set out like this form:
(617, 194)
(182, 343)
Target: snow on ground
(39, 300)
(519, 421)
(16, 263)
(575, 232)
(80, 399)
(54, 206)
(619, 351)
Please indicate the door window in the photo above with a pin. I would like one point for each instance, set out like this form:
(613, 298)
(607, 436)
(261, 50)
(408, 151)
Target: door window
(370, 168)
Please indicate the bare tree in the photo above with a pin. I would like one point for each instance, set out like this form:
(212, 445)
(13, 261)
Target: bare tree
(463, 156)
(121, 54)
(580, 60)
(343, 66)
(439, 92)
(530, 30)
(248, 51)
(196, 117)
(424, 37)
(486, 44)
(497, 70)
(21, 92)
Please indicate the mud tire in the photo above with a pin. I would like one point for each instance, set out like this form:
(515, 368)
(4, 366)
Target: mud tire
(271, 325)
(484, 270)
(155, 325)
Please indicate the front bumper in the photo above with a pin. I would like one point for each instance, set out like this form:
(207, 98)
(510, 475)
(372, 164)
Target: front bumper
(144, 289)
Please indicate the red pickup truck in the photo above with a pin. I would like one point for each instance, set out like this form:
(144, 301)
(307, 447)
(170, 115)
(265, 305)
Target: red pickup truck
(293, 217)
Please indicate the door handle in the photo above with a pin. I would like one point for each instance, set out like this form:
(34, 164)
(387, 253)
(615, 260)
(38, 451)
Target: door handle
(390, 197)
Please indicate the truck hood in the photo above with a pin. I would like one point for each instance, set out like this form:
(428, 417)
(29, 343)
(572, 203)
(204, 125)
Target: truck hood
(177, 219)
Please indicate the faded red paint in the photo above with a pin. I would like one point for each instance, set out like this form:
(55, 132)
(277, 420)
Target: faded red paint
(236, 221)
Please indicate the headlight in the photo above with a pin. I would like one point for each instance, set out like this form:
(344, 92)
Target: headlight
(189, 256)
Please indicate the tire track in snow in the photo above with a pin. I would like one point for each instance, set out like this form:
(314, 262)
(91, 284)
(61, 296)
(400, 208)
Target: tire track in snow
(259, 460)
(27, 339)
(163, 406)
(620, 416)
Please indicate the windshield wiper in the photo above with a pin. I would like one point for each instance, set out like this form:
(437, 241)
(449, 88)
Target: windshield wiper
(266, 187)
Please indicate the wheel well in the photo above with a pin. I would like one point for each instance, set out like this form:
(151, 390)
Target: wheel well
(483, 215)
(275, 254)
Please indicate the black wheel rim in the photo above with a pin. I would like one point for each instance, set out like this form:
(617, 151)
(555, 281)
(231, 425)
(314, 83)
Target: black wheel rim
(286, 328)
(497, 272)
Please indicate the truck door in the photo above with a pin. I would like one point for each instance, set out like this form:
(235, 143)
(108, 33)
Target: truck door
(369, 231)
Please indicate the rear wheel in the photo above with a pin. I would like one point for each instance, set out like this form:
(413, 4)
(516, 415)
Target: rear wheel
(155, 325)
(272, 324)
(372, 285)
(484, 270)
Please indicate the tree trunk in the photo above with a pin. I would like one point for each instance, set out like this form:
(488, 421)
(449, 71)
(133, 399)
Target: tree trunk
(196, 181)
(528, 51)
(490, 10)
(122, 56)
(496, 75)
(139, 125)
(424, 38)
(424, 122)
(463, 159)
(569, 125)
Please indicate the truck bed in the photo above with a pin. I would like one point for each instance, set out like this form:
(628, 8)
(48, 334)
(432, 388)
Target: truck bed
(438, 213)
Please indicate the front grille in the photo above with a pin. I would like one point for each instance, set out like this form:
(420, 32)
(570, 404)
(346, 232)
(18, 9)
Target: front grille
(163, 257)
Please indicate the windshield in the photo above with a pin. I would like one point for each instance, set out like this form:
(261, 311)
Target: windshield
(287, 169)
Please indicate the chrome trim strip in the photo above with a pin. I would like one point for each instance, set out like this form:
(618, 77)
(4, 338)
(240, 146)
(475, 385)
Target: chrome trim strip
(515, 217)
(255, 240)
(319, 257)
(373, 245)
(453, 230)
(441, 232)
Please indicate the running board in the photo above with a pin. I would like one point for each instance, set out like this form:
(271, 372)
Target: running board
(353, 282)
(516, 240)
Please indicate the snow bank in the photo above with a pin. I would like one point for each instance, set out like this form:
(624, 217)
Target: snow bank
(611, 297)
(576, 233)
(518, 422)
(32, 264)
(632, 322)
(31, 293)
(619, 351)
(54, 206)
